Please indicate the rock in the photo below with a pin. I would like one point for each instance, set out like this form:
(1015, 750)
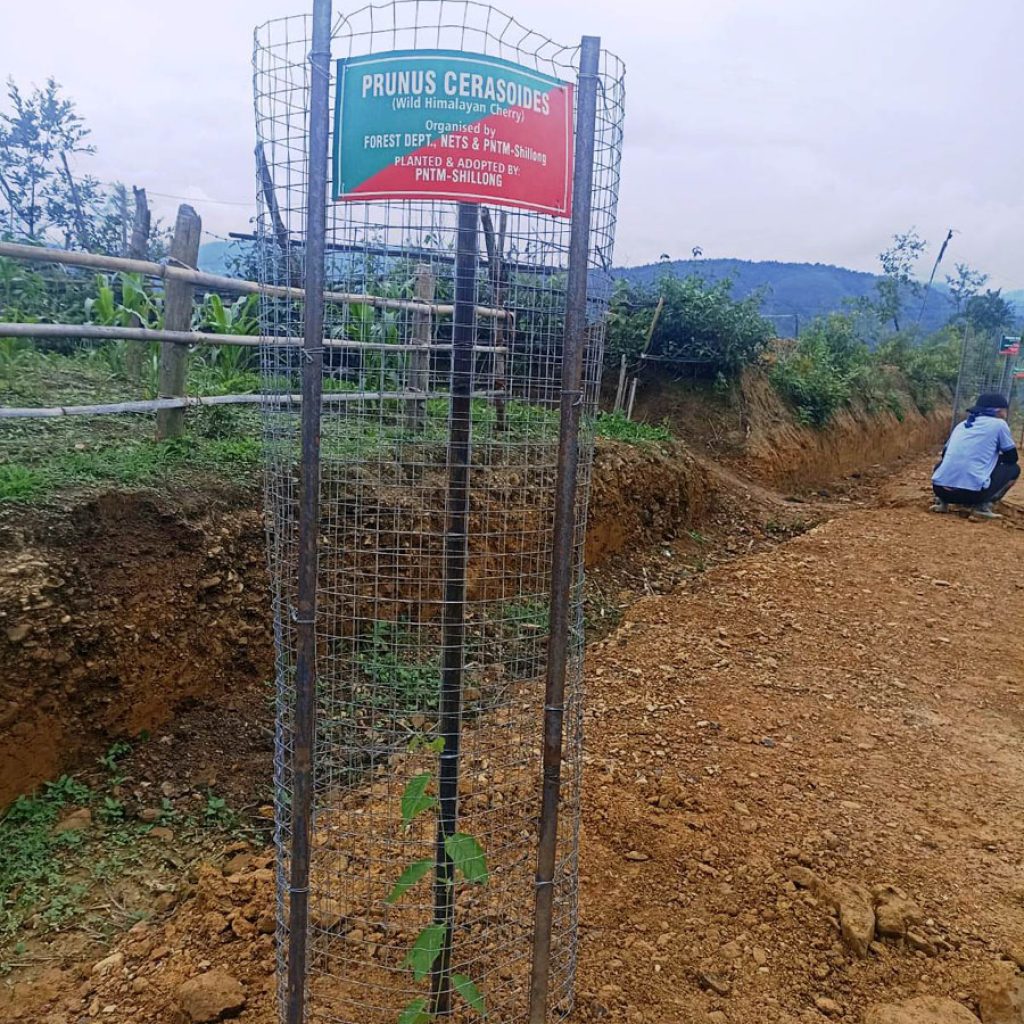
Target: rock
(328, 915)
(717, 1017)
(731, 951)
(829, 1007)
(920, 942)
(856, 916)
(162, 833)
(215, 923)
(895, 915)
(760, 956)
(205, 778)
(636, 855)
(210, 997)
(108, 964)
(75, 821)
(804, 878)
(266, 923)
(1001, 1000)
(18, 633)
(238, 863)
(714, 983)
(922, 1010)
(149, 815)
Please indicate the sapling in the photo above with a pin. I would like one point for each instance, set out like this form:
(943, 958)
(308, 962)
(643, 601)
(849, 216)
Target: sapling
(468, 860)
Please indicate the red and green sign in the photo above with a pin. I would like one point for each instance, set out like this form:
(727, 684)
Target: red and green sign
(441, 124)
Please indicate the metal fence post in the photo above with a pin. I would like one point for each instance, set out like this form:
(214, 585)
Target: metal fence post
(455, 557)
(177, 317)
(563, 542)
(305, 613)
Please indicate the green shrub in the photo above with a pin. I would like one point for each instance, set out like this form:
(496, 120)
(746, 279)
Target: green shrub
(699, 321)
(928, 366)
(818, 375)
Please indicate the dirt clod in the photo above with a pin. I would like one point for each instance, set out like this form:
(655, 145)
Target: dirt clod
(213, 996)
(923, 1010)
(1001, 999)
(76, 821)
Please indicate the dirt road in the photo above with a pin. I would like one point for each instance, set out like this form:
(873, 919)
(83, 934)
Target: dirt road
(842, 711)
(851, 703)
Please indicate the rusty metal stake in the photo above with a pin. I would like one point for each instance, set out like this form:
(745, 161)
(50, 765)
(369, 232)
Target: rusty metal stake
(309, 516)
(563, 547)
(456, 551)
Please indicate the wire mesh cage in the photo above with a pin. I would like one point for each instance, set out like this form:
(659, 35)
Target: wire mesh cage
(385, 586)
(987, 363)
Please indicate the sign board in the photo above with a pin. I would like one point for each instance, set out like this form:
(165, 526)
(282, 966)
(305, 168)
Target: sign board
(442, 124)
(1009, 346)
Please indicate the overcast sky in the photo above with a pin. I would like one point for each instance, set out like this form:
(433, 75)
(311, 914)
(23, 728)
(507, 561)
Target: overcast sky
(761, 129)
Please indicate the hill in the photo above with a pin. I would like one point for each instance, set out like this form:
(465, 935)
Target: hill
(791, 290)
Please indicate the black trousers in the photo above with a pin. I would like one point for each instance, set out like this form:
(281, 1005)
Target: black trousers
(1004, 476)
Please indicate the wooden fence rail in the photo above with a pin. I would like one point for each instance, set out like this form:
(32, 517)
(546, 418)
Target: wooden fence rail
(187, 275)
(93, 332)
(185, 402)
(181, 277)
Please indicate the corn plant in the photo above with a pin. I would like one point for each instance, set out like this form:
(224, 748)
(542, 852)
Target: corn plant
(468, 860)
(227, 369)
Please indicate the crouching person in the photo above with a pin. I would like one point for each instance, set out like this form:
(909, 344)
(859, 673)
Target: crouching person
(979, 462)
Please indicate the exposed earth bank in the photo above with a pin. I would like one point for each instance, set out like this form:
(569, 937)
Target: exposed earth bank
(803, 801)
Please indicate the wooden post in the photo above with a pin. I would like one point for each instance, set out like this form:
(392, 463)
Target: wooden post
(620, 391)
(270, 198)
(419, 360)
(177, 317)
(632, 398)
(138, 249)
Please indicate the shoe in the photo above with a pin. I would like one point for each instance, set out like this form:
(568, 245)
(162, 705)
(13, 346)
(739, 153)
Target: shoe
(986, 511)
(940, 506)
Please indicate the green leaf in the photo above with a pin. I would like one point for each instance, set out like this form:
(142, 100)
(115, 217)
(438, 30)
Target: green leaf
(425, 950)
(468, 857)
(409, 877)
(436, 746)
(415, 1013)
(465, 987)
(415, 800)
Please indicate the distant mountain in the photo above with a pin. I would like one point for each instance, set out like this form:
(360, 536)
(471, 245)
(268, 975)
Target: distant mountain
(792, 290)
(803, 290)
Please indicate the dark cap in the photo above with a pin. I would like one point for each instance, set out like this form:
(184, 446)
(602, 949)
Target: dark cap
(992, 400)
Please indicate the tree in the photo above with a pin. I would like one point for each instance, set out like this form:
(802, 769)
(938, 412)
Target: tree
(41, 197)
(964, 285)
(989, 312)
(37, 137)
(898, 283)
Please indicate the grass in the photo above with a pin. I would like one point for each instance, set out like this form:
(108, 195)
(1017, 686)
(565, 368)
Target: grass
(44, 458)
(616, 427)
(133, 462)
(49, 878)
